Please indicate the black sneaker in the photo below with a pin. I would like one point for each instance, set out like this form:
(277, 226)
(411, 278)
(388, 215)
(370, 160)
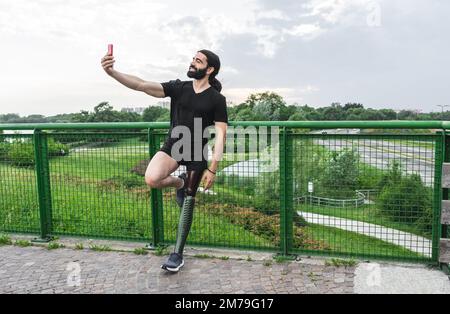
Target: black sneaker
(174, 263)
(181, 193)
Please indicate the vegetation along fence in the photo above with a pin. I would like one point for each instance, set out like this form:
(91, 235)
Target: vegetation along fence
(367, 189)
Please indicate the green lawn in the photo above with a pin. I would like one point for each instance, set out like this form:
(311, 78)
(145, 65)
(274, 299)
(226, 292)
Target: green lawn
(351, 243)
(88, 199)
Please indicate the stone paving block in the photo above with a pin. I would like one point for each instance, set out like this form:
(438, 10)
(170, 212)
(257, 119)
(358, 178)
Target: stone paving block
(113, 272)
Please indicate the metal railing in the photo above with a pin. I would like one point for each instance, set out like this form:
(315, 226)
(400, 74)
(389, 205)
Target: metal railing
(87, 179)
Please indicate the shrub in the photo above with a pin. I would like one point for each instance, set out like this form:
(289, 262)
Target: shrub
(265, 226)
(56, 148)
(404, 198)
(3, 150)
(116, 182)
(21, 154)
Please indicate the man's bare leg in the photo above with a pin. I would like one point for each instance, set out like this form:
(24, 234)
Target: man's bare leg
(158, 172)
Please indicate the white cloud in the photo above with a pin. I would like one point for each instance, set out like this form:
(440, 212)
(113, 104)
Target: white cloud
(229, 70)
(308, 31)
(187, 33)
(51, 49)
(272, 14)
(339, 11)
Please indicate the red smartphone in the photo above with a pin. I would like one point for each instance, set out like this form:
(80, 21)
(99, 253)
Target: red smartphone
(110, 49)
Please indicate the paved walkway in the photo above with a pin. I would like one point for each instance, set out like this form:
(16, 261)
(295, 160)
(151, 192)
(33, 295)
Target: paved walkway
(38, 270)
(407, 240)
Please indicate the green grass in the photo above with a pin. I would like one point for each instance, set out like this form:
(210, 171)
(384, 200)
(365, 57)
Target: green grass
(428, 144)
(338, 262)
(54, 246)
(161, 251)
(282, 259)
(89, 199)
(23, 243)
(19, 201)
(351, 243)
(140, 251)
(208, 228)
(203, 256)
(79, 246)
(5, 240)
(100, 248)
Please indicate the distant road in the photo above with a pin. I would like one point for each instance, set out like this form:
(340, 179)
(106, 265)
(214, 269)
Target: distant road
(379, 153)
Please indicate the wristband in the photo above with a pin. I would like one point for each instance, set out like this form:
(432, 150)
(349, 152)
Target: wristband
(211, 171)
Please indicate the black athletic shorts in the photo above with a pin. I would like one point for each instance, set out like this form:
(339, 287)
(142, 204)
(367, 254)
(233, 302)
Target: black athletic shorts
(190, 165)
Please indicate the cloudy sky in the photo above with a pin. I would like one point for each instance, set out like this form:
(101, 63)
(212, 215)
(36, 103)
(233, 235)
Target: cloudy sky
(382, 53)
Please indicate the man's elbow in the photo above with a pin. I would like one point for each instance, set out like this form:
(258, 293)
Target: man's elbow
(151, 88)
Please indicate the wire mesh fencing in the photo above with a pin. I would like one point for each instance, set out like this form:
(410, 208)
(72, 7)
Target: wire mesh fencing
(97, 186)
(396, 217)
(241, 209)
(19, 207)
(348, 194)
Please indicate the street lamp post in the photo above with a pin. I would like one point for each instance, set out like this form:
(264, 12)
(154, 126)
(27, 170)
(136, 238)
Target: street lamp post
(442, 112)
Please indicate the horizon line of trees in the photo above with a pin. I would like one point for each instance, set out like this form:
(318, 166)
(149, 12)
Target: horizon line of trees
(266, 106)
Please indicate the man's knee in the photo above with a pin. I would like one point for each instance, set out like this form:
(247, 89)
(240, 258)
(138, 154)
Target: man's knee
(152, 181)
(190, 191)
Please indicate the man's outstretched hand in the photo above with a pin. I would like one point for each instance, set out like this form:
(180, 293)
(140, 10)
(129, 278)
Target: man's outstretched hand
(108, 63)
(208, 179)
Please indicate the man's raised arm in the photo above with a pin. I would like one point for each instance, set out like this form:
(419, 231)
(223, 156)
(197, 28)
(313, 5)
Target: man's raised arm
(152, 88)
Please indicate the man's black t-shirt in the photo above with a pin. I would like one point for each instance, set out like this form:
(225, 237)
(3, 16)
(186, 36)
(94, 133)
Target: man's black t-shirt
(186, 104)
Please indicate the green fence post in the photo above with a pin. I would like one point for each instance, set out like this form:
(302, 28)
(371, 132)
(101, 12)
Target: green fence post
(286, 192)
(442, 231)
(43, 185)
(156, 199)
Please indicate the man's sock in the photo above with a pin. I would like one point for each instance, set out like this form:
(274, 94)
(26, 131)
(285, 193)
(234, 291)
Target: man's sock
(182, 186)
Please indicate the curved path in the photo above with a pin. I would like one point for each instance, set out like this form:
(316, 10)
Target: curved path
(407, 240)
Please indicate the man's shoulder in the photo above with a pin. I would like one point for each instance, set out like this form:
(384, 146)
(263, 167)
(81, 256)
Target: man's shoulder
(177, 81)
(218, 96)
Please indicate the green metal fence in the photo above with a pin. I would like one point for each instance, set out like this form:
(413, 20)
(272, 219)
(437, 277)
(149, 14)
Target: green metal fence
(335, 190)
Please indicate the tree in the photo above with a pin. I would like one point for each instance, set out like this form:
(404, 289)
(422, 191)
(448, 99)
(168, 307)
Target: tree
(298, 116)
(104, 112)
(245, 115)
(342, 174)
(267, 106)
(388, 114)
(407, 115)
(353, 106)
(334, 112)
(154, 113)
(82, 116)
(9, 118)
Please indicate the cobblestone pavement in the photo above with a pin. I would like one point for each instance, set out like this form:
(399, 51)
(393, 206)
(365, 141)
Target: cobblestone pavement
(38, 270)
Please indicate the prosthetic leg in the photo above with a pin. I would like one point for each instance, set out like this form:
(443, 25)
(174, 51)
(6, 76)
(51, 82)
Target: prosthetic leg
(175, 261)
